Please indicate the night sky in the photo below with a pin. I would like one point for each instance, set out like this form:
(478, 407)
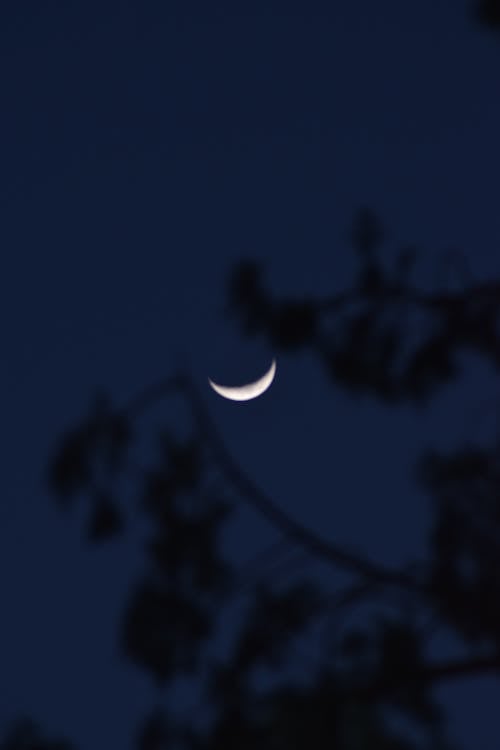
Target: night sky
(146, 148)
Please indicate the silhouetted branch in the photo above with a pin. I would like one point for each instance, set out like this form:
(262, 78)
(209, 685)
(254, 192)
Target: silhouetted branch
(151, 395)
(488, 291)
(293, 529)
(429, 674)
(256, 497)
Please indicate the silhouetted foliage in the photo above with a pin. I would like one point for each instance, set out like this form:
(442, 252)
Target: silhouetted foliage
(191, 492)
(88, 459)
(155, 734)
(164, 630)
(105, 520)
(465, 575)
(293, 325)
(363, 339)
(487, 12)
(25, 734)
(362, 336)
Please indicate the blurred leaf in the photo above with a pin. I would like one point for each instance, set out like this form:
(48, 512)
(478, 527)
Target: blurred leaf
(356, 645)
(69, 469)
(163, 630)
(119, 436)
(404, 264)
(487, 13)
(371, 280)
(273, 622)
(367, 232)
(156, 732)
(245, 283)
(25, 734)
(246, 297)
(293, 325)
(105, 520)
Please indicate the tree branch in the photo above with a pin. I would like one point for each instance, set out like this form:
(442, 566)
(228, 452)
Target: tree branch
(429, 674)
(291, 528)
(254, 496)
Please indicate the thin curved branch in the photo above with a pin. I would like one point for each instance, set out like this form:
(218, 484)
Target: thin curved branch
(252, 494)
(150, 395)
(277, 517)
(255, 497)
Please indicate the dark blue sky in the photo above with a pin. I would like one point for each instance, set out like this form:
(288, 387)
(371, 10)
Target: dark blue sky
(146, 147)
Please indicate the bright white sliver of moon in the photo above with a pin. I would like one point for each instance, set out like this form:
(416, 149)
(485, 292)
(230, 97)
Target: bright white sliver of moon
(248, 391)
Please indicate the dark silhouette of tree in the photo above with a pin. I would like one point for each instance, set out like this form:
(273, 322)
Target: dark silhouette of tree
(193, 489)
(364, 338)
(487, 13)
(24, 734)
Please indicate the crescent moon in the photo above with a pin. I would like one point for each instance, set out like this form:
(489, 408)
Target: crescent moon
(247, 391)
